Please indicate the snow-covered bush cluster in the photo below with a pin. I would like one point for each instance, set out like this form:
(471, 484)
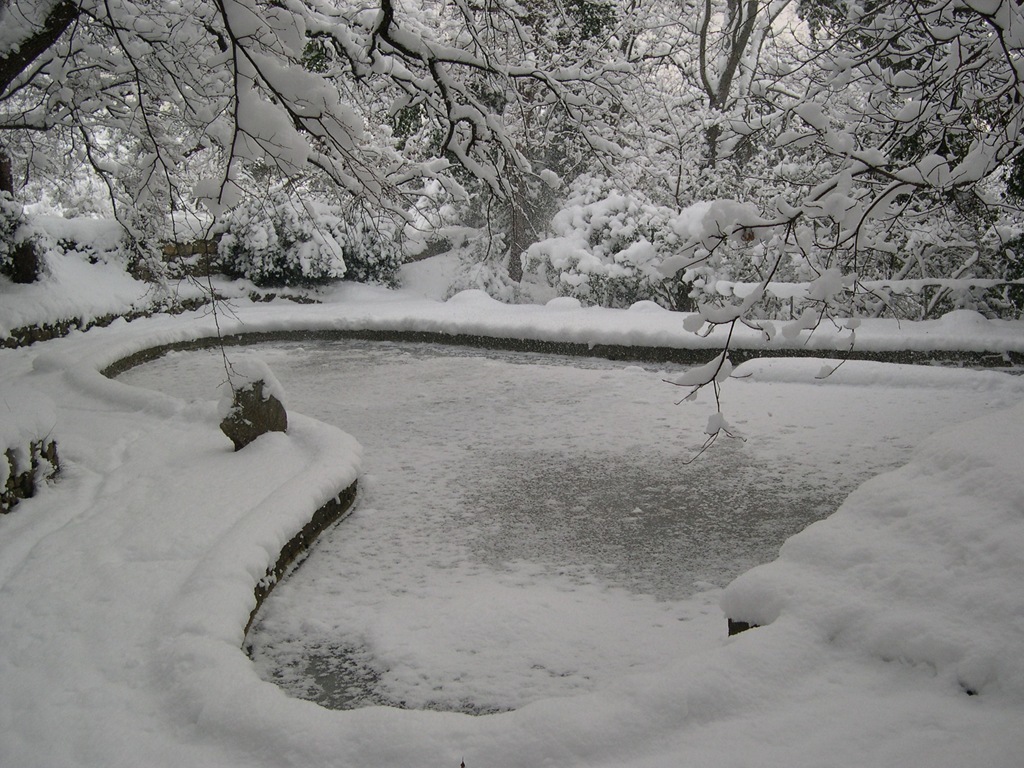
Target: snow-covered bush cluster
(614, 249)
(276, 241)
(11, 218)
(92, 239)
(372, 247)
(606, 248)
(28, 452)
(483, 266)
(286, 238)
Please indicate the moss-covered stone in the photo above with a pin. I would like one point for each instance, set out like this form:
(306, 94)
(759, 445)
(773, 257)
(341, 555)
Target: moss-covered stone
(252, 414)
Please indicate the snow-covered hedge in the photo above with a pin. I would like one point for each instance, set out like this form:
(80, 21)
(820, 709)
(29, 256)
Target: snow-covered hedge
(285, 239)
(606, 248)
(614, 249)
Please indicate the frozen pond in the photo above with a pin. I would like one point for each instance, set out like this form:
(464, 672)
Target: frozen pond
(527, 526)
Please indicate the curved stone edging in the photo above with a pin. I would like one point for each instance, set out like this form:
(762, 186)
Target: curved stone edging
(623, 352)
(297, 547)
(27, 335)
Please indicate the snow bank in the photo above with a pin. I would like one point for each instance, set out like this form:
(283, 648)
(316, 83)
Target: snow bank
(26, 415)
(921, 568)
(216, 599)
(71, 289)
(156, 533)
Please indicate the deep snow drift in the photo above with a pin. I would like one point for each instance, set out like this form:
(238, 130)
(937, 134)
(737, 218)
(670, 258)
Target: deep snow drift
(894, 629)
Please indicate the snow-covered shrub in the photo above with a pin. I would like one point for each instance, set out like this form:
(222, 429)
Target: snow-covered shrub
(371, 246)
(28, 450)
(277, 241)
(94, 240)
(51, 237)
(285, 239)
(487, 276)
(606, 248)
(11, 218)
(615, 249)
(483, 266)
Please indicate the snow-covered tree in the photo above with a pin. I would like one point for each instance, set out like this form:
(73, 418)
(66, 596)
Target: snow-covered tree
(216, 85)
(898, 150)
(549, 135)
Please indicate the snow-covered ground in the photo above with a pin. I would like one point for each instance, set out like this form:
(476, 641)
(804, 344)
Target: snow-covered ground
(893, 630)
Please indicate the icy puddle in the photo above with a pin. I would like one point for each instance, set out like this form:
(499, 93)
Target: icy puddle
(527, 526)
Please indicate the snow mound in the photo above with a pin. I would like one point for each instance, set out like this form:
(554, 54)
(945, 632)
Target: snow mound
(24, 415)
(920, 568)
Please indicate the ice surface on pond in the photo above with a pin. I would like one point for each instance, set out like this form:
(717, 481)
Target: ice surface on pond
(527, 526)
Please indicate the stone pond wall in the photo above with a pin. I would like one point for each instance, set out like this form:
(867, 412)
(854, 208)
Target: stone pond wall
(296, 548)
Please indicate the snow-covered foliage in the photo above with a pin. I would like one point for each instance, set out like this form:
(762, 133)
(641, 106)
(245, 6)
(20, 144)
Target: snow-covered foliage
(289, 238)
(91, 239)
(276, 241)
(606, 248)
(88, 239)
(892, 135)
(216, 88)
(11, 218)
(372, 245)
(614, 249)
(489, 275)
(724, 258)
(854, 149)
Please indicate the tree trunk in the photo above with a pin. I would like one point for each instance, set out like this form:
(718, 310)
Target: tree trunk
(6, 173)
(741, 18)
(41, 33)
(517, 238)
(26, 264)
(24, 51)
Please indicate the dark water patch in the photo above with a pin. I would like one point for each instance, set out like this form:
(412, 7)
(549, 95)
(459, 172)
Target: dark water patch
(648, 524)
